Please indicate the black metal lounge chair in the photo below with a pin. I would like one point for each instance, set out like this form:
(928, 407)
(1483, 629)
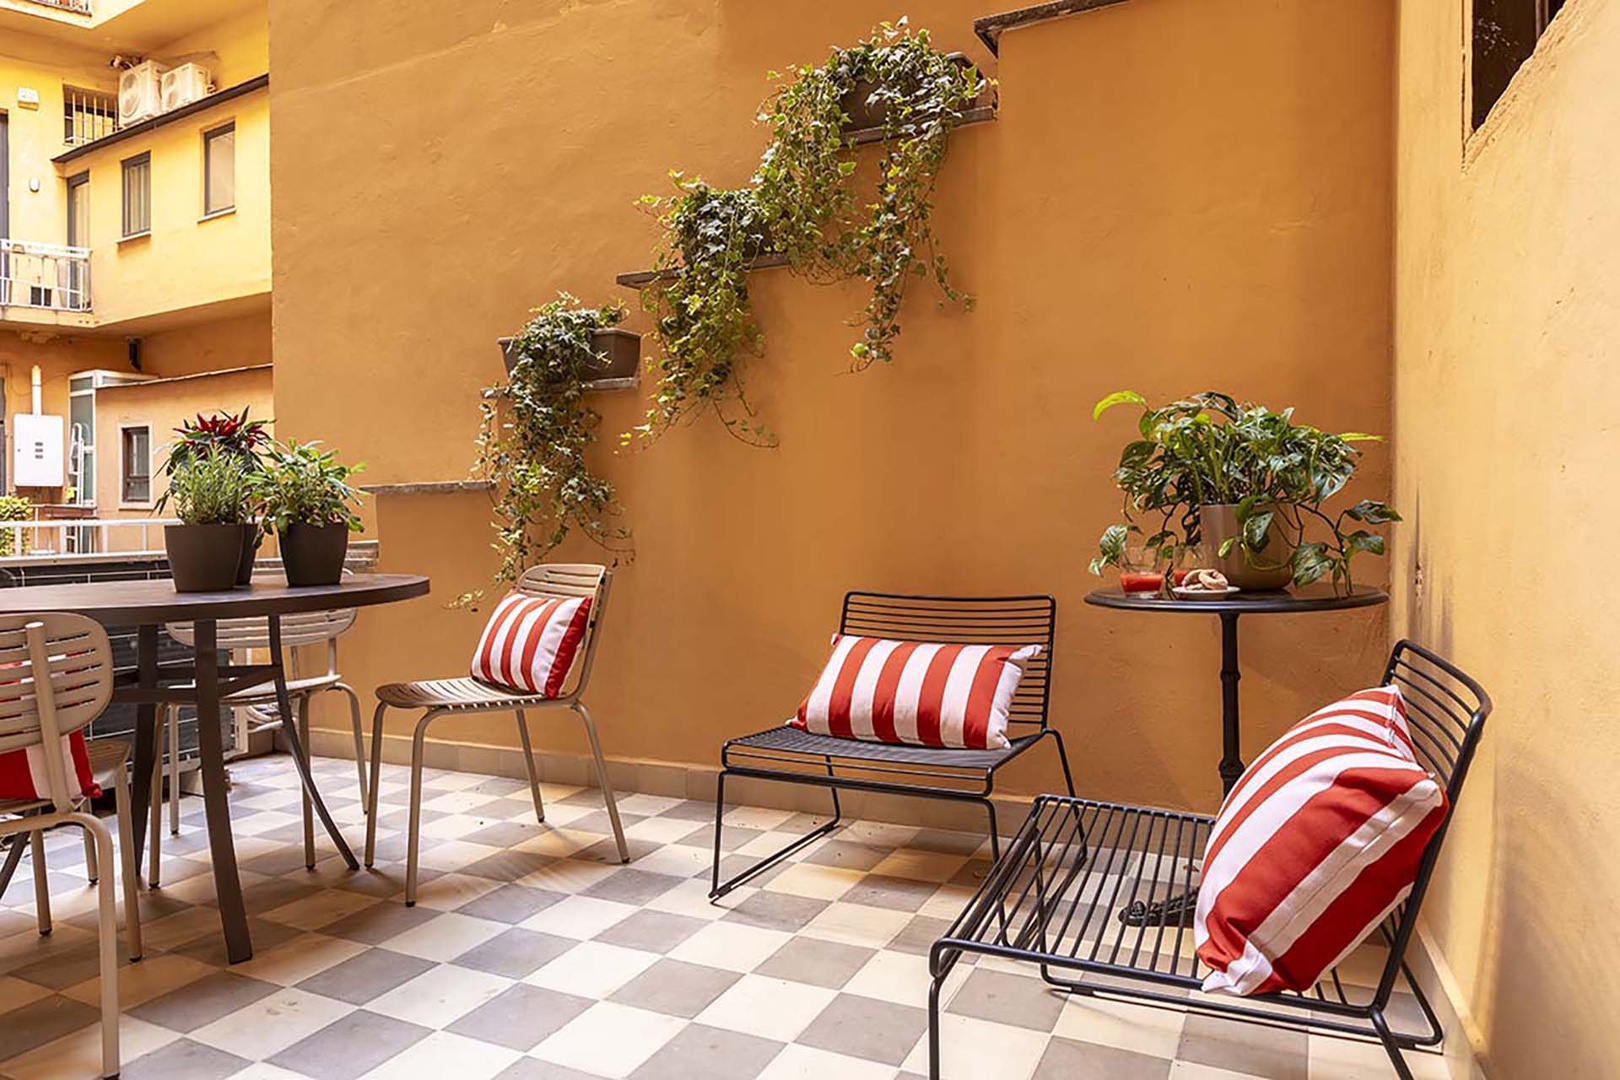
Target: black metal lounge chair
(798, 757)
(1075, 862)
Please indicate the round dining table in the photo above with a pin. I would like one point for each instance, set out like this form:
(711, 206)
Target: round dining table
(149, 604)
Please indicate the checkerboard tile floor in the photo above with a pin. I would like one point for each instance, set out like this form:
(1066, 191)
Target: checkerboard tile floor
(533, 955)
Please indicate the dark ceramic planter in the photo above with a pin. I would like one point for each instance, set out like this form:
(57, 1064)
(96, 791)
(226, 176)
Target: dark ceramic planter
(203, 558)
(621, 347)
(313, 554)
(864, 116)
(252, 537)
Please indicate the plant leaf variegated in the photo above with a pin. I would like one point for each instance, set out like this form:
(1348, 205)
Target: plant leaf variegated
(1210, 450)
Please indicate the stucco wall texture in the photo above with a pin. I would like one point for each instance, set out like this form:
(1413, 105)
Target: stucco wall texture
(1177, 195)
(1508, 266)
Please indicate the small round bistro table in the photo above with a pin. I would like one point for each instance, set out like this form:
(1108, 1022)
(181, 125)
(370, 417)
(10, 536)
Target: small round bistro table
(1179, 909)
(147, 605)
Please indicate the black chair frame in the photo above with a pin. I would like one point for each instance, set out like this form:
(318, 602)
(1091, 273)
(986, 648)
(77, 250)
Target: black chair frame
(1052, 900)
(788, 755)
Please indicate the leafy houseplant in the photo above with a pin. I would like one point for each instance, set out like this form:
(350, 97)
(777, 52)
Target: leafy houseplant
(535, 434)
(13, 508)
(214, 494)
(810, 203)
(309, 502)
(231, 433)
(1249, 484)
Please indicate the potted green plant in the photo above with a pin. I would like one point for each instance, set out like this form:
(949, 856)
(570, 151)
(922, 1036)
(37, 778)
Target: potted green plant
(310, 503)
(14, 508)
(232, 433)
(214, 493)
(535, 433)
(1248, 484)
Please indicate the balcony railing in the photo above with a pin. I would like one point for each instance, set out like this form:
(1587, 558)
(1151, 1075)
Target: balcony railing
(48, 276)
(87, 115)
(78, 7)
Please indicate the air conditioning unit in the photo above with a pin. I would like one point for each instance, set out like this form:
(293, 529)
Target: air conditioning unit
(185, 84)
(140, 93)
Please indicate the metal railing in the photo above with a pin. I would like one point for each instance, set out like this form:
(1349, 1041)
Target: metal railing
(78, 536)
(78, 7)
(87, 115)
(50, 276)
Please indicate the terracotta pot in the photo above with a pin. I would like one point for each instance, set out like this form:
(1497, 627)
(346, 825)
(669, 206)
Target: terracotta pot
(1220, 523)
(621, 347)
(203, 558)
(313, 554)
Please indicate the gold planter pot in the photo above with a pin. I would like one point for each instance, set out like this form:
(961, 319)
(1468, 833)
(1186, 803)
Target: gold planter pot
(1219, 524)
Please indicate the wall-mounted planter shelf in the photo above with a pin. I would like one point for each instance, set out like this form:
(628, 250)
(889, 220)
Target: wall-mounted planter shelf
(990, 27)
(490, 393)
(428, 487)
(621, 347)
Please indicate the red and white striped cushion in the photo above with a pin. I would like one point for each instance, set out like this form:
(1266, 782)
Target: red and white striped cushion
(915, 692)
(23, 776)
(531, 642)
(1319, 840)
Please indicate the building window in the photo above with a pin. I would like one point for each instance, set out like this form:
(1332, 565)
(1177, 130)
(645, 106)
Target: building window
(1505, 34)
(219, 169)
(136, 480)
(138, 195)
(87, 115)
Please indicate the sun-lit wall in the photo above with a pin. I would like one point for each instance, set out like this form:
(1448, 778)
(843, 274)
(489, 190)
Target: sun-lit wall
(1178, 195)
(1506, 332)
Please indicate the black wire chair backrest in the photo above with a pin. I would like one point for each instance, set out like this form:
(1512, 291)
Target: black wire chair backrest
(967, 620)
(1446, 711)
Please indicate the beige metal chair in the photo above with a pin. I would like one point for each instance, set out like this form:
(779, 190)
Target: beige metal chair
(308, 628)
(35, 713)
(440, 697)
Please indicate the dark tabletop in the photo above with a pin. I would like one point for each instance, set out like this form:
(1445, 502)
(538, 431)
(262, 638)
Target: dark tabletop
(1314, 598)
(138, 603)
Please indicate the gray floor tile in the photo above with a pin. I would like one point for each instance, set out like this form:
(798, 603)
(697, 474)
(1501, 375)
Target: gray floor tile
(632, 886)
(652, 931)
(376, 924)
(1008, 999)
(710, 1053)
(39, 1022)
(350, 1047)
(731, 838)
(690, 810)
(896, 894)
(506, 834)
(520, 1017)
(510, 903)
(819, 963)
(866, 1028)
(528, 1068)
(776, 911)
(675, 988)
(515, 953)
(266, 935)
(202, 1002)
(919, 936)
(847, 854)
(366, 976)
(1066, 1059)
(1271, 1052)
(184, 1060)
(599, 822)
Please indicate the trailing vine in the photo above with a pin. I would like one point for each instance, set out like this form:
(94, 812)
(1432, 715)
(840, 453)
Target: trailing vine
(811, 202)
(534, 434)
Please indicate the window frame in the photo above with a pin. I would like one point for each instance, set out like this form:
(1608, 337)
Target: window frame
(1537, 16)
(125, 166)
(125, 430)
(228, 127)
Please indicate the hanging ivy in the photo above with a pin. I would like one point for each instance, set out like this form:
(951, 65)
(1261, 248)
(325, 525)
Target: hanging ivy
(536, 429)
(812, 202)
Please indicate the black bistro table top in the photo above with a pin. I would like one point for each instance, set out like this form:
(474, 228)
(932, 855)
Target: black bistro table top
(1314, 598)
(134, 603)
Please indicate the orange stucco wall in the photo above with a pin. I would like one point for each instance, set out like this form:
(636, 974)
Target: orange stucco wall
(1508, 266)
(1179, 194)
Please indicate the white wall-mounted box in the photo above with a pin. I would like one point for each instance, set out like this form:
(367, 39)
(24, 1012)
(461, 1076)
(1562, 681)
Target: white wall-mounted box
(39, 451)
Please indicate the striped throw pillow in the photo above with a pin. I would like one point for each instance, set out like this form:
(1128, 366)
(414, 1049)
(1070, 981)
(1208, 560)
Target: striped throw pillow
(1317, 843)
(531, 642)
(23, 776)
(916, 692)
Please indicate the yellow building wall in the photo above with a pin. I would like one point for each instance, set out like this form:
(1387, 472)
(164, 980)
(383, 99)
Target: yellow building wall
(1506, 331)
(1178, 195)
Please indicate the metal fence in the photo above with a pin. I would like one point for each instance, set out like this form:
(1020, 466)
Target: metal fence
(82, 536)
(50, 276)
(87, 115)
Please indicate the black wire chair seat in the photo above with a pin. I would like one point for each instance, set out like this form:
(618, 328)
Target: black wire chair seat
(1076, 866)
(790, 755)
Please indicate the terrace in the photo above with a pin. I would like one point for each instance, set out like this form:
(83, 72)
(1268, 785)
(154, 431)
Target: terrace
(1186, 420)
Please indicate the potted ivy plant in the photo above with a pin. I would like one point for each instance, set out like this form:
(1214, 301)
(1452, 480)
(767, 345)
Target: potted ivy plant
(231, 433)
(214, 493)
(1246, 483)
(310, 503)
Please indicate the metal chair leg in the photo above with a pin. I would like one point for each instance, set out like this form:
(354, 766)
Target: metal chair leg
(126, 853)
(1391, 1047)
(528, 763)
(934, 986)
(42, 886)
(1063, 759)
(359, 739)
(92, 868)
(602, 779)
(108, 934)
(413, 833)
(173, 721)
(14, 854)
(308, 807)
(376, 776)
(155, 805)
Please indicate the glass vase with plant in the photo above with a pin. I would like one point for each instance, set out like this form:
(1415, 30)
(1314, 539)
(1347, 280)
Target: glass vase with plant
(215, 494)
(311, 505)
(1246, 482)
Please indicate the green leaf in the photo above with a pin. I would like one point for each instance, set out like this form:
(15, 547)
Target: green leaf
(1372, 512)
(1119, 397)
(1362, 540)
(1256, 530)
(1226, 546)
